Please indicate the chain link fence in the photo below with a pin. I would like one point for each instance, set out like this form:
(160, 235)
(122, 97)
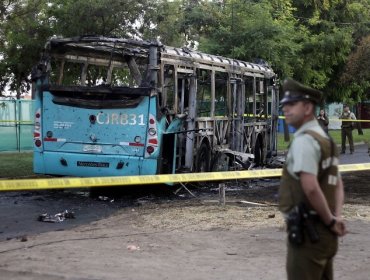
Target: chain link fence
(16, 124)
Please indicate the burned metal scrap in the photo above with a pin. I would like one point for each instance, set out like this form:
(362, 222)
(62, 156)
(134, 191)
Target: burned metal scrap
(57, 218)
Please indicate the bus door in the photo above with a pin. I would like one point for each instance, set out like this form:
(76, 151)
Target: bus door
(181, 116)
(176, 84)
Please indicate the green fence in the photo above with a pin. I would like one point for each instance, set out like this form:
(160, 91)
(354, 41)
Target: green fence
(16, 124)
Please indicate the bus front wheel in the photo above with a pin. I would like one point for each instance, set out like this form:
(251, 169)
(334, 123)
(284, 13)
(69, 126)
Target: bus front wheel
(203, 158)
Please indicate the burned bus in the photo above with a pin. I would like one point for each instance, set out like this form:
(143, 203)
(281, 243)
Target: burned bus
(119, 107)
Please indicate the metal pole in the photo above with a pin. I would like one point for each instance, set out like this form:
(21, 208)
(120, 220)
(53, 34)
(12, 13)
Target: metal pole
(222, 193)
(16, 120)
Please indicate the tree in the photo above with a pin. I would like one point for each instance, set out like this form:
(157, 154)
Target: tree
(246, 30)
(27, 24)
(22, 25)
(357, 71)
(123, 18)
(333, 28)
(166, 24)
(314, 41)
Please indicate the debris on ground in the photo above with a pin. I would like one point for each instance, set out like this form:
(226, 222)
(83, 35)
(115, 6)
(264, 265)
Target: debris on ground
(23, 238)
(57, 218)
(133, 248)
(251, 203)
(105, 198)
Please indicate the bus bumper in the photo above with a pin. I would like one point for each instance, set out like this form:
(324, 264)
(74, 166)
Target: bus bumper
(87, 165)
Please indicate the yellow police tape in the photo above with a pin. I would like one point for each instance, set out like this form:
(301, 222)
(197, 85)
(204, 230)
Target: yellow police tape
(16, 121)
(336, 120)
(63, 183)
(280, 117)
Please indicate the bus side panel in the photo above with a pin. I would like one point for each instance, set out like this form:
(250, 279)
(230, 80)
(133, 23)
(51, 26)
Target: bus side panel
(38, 162)
(73, 164)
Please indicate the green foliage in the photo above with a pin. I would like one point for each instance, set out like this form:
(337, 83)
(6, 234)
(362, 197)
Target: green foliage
(357, 71)
(252, 31)
(26, 24)
(99, 17)
(168, 21)
(333, 30)
(21, 27)
(319, 43)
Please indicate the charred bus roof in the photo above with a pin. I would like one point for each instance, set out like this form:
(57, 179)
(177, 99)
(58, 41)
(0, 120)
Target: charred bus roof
(116, 48)
(100, 44)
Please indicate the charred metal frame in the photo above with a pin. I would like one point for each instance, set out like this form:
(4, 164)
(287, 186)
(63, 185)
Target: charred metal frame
(239, 135)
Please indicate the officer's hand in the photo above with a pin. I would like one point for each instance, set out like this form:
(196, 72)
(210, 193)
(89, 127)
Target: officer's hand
(339, 228)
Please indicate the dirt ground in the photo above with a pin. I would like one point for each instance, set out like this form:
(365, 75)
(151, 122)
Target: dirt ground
(184, 238)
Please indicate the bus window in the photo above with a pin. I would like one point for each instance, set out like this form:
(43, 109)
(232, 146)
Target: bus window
(95, 75)
(65, 73)
(169, 88)
(260, 97)
(249, 96)
(122, 77)
(183, 94)
(221, 108)
(204, 93)
(73, 73)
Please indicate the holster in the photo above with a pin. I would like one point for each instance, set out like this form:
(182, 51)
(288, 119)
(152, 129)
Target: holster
(309, 223)
(300, 220)
(295, 227)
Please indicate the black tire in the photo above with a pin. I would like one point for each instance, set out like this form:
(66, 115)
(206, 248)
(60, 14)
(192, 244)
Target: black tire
(219, 162)
(258, 153)
(203, 159)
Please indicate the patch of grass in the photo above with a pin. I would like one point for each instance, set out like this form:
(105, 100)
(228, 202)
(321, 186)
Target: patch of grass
(16, 164)
(335, 134)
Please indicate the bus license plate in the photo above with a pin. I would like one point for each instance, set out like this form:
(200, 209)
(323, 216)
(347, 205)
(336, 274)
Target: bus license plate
(92, 164)
(92, 148)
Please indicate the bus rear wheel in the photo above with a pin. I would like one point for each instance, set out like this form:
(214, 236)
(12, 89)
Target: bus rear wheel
(258, 153)
(203, 161)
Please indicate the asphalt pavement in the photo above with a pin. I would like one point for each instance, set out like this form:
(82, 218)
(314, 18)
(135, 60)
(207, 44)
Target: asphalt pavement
(361, 155)
(19, 211)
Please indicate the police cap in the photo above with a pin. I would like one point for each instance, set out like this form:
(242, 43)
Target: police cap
(295, 91)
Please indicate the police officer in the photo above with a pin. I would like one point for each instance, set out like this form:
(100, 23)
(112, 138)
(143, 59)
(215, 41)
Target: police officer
(347, 127)
(310, 178)
(323, 120)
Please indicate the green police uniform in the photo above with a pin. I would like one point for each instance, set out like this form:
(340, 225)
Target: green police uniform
(311, 152)
(347, 127)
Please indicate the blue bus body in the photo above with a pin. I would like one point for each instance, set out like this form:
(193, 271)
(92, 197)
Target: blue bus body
(96, 142)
